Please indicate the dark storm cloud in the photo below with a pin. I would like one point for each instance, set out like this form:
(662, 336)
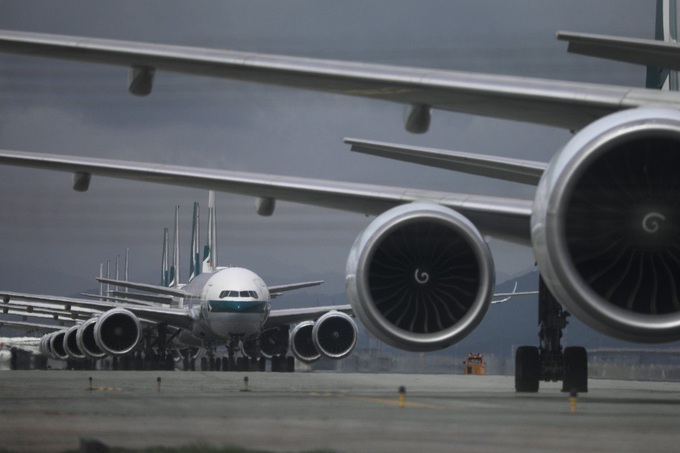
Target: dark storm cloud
(69, 108)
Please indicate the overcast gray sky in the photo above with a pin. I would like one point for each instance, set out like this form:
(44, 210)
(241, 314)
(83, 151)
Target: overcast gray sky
(52, 239)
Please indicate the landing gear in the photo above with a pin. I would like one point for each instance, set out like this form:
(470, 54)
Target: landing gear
(549, 362)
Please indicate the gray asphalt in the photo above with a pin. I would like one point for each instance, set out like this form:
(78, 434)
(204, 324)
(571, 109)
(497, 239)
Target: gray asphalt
(51, 410)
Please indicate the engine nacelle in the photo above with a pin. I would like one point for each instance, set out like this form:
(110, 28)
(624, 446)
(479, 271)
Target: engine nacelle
(71, 345)
(420, 277)
(56, 340)
(117, 332)
(302, 344)
(45, 347)
(86, 341)
(606, 225)
(140, 80)
(274, 342)
(335, 335)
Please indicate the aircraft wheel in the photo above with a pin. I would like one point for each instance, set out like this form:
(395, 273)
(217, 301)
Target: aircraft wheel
(527, 369)
(204, 364)
(290, 364)
(575, 369)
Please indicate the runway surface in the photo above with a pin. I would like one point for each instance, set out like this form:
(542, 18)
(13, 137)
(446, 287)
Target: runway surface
(51, 410)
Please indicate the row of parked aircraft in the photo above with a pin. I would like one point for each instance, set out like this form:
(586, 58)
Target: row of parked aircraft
(218, 306)
(603, 225)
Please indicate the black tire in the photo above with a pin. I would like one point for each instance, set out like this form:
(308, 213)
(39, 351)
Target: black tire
(290, 364)
(204, 364)
(575, 370)
(527, 369)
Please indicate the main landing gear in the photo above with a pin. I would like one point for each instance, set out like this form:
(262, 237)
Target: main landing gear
(549, 362)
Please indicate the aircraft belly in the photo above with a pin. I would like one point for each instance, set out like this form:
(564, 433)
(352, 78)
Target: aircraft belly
(226, 324)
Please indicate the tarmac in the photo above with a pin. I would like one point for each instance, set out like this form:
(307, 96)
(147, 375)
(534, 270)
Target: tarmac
(50, 411)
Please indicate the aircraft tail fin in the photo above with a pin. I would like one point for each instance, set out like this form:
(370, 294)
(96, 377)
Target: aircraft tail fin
(195, 264)
(666, 30)
(174, 269)
(165, 265)
(210, 251)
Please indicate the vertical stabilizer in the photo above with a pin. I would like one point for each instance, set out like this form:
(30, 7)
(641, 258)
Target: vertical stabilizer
(117, 271)
(101, 285)
(126, 275)
(165, 265)
(210, 252)
(174, 270)
(666, 30)
(195, 264)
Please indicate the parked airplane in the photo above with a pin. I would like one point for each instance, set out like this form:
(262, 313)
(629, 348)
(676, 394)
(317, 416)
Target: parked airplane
(218, 306)
(603, 224)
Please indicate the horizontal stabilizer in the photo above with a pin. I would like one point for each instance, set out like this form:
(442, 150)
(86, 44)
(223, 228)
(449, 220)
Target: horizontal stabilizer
(515, 170)
(647, 52)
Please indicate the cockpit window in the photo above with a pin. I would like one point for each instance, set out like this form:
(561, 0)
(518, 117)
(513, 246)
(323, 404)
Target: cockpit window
(230, 293)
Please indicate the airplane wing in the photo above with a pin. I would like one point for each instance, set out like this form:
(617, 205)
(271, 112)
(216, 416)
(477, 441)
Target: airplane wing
(504, 218)
(647, 52)
(555, 103)
(505, 168)
(295, 315)
(28, 325)
(293, 286)
(145, 287)
(177, 317)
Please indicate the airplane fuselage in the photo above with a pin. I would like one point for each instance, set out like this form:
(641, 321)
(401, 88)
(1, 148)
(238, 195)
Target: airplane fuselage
(230, 302)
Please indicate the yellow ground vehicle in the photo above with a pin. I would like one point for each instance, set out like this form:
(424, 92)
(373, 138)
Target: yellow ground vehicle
(474, 364)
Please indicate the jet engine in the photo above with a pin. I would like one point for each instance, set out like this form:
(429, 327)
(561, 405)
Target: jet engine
(86, 341)
(56, 345)
(274, 342)
(302, 344)
(71, 345)
(606, 225)
(420, 277)
(45, 348)
(334, 335)
(117, 332)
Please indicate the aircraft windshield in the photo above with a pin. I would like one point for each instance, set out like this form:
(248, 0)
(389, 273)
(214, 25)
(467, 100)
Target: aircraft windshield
(232, 294)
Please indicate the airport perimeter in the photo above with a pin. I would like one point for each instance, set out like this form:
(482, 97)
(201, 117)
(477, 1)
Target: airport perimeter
(49, 411)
